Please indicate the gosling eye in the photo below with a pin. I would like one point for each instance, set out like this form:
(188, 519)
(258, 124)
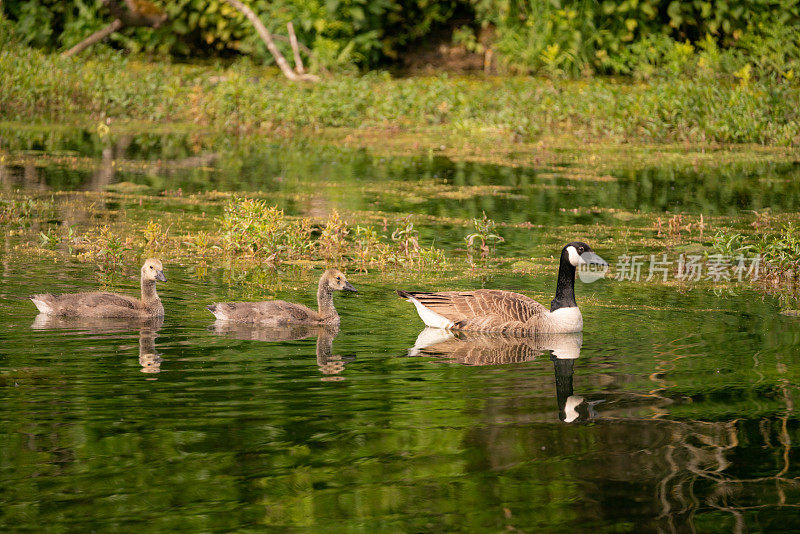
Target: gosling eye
(151, 266)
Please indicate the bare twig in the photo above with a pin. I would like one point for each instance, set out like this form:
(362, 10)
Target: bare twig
(97, 36)
(298, 61)
(132, 14)
(265, 35)
(303, 48)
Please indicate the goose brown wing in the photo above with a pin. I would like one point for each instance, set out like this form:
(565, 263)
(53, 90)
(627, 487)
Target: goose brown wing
(267, 311)
(97, 300)
(493, 305)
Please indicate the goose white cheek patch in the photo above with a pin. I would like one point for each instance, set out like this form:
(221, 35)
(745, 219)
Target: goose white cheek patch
(574, 258)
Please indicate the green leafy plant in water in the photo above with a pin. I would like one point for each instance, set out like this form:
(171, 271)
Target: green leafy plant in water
(406, 238)
(778, 252)
(24, 212)
(369, 248)
(332, 241)
(105, 247)
(485, 238)
(49, 238)
(254, 227)
(155, 237)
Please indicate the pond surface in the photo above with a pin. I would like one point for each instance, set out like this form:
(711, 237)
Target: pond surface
(672, 412)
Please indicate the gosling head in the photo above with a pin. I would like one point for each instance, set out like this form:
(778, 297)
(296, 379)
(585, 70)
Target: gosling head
(152, 270)
(579, 253)
(334, 280)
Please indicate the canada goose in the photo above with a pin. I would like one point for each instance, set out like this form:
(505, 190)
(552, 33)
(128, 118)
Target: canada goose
(101, 304)
(282, 313)
(493, 310)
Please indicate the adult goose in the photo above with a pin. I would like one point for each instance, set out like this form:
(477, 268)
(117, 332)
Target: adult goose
(278, 313)
(102, 304)
(493, 310)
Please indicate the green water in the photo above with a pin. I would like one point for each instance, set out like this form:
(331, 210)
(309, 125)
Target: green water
(674, 411)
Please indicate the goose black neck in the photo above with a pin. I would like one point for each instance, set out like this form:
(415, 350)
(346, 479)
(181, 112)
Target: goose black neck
(565, 287)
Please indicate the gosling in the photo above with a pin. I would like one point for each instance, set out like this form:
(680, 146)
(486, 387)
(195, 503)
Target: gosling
(275, 313)
(102, 304)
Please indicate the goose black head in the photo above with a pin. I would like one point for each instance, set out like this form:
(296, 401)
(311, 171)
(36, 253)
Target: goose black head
(579, 253)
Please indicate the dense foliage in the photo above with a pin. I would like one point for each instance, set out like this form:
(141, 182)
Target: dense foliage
(247, 98)
(557, 37)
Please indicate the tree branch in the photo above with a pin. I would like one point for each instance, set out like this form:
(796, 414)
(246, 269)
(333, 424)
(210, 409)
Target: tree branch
(263, 32)
(298, 61)
(97, 36)
(132, 13)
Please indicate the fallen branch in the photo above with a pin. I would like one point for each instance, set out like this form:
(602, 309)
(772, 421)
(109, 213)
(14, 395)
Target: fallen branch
(263, 32)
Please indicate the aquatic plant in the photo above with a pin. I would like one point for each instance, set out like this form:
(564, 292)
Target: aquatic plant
(332, 242)
(22, 212)
(155, 238)
(777, 251)
(485, 237)
(104, 247)
(254, 227)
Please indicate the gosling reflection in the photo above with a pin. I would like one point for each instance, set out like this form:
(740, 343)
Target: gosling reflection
(329, 364)
(480, 348)
(149, 358)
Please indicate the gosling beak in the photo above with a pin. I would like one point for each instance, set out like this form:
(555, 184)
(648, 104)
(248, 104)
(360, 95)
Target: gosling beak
(593, 259)
(160, 276)
(349, 287)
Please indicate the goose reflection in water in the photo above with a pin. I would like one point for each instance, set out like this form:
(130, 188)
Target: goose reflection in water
(481, 348)
(149, 358)
(329, 364)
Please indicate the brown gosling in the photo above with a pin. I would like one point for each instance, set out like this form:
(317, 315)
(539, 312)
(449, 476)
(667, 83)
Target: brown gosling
(275, 313)
(102, 304)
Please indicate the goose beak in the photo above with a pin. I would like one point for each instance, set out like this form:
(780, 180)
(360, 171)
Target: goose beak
(160, 276)
(593, 259)
(349, 287)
